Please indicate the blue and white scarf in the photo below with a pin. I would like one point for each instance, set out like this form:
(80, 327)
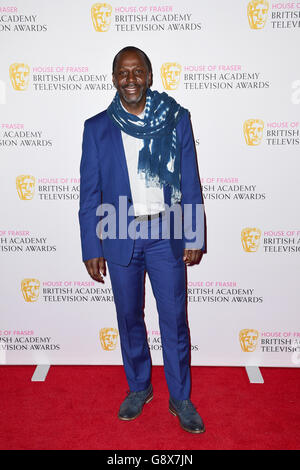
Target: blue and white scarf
(159, 159)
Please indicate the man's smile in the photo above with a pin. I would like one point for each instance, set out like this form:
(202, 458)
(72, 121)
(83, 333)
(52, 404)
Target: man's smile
(131, 89)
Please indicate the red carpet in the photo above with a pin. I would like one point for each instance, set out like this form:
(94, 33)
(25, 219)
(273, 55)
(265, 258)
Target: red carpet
(76, 408)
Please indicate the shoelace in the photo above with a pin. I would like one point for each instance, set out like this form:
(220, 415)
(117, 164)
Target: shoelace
(133, 395)
(187, 405)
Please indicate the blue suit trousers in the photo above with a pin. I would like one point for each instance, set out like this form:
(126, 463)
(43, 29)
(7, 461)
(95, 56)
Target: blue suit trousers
(168, 281)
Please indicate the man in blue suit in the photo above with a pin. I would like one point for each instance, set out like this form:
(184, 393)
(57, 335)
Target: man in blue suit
(139, 167)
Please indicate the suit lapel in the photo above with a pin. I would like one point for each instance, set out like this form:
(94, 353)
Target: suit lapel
(116, 138)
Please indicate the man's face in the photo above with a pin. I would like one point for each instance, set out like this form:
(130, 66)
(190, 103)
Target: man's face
(131, 78)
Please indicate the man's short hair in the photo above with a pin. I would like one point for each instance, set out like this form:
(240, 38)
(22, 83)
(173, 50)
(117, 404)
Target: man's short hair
(132, 49)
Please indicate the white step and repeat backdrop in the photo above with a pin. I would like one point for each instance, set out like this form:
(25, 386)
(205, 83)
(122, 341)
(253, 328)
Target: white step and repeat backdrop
(235, 65)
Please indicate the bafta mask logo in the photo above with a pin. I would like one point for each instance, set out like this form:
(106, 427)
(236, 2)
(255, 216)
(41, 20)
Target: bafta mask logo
(25, 187)
(30, 289)
(249, 340)
(101, 16)
(170, 75)
(109, 338)
(250, 239)
(253, 131)
(19, 75)
(257, 13)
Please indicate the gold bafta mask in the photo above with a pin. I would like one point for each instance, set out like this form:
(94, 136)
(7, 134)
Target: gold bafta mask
(170, 75)
(109, 338)
(250, 239)
(249, 340)
(101, 16)
(253, 131)
(257, 11)
(25, 187)
(19, 75)
(30, 289)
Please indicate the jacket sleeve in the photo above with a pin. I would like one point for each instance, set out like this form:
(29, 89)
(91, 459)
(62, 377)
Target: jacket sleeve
(90, 196)
(192, 200)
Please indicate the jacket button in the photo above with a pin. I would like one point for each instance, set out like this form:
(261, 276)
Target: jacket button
(129, 200)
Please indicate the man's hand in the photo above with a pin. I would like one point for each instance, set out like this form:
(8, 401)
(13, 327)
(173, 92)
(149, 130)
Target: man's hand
(94, 266)
(191, 257)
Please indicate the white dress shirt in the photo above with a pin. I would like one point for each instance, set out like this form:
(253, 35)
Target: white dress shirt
(145, 200)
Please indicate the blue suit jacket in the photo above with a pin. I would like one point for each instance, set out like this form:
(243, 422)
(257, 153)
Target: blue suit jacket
(104, 177)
